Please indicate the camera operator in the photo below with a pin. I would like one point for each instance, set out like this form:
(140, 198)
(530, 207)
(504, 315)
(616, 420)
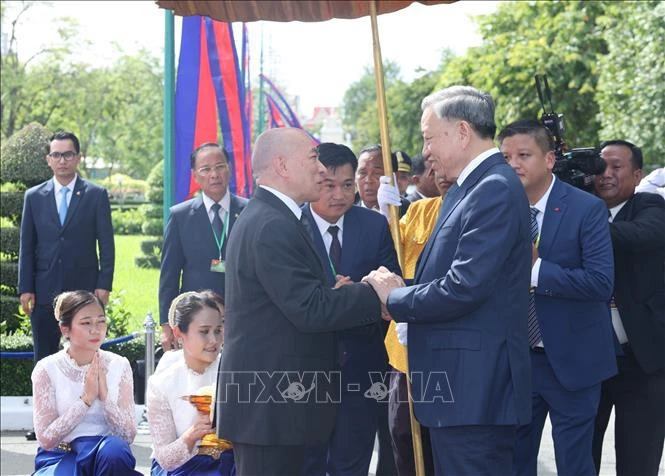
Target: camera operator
(570, 331)
(637, 227)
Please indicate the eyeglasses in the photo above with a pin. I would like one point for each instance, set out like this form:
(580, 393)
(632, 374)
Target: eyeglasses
(69, 155)
(219, 168)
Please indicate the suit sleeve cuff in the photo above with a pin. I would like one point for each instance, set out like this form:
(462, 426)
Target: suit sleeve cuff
(535, 271)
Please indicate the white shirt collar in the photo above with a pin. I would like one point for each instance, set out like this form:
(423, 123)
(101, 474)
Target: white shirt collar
(615, 210)
(225, 202)
(471, 166)
(323, 225)
(541, 204)
(376, 209)
(57, 186)
(288, 201)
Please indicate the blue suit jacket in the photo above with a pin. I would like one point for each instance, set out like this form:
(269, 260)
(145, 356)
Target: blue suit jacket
(188, 248)
(467, 311)
(574, 287)
(55, 258)
(366, 245)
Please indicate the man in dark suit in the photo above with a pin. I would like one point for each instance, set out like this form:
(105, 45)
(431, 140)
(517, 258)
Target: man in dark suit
(637, 393)
(467, 310)
(361, 243)
(64, 220)
(570, 331)
(368, 174)
(423, 179)
(279, 376)
(196, 234)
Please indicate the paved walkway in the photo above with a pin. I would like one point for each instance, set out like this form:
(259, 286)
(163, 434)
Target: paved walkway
(17, 455)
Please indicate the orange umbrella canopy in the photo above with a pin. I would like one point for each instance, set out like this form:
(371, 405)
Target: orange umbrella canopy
(284, 10)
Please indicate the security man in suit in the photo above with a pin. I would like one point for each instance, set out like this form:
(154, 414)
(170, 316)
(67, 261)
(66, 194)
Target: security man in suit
(353, 241)
(570, 330)
(196, 234)
(637, 393)
(64, 220)
(278, 383)
(368, 174)
(423, 179)
(467, 309)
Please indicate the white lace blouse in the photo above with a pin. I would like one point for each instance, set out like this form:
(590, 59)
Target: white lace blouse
(59, 413)
(169, 416)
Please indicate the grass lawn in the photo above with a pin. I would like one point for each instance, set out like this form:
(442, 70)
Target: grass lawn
(139, 284)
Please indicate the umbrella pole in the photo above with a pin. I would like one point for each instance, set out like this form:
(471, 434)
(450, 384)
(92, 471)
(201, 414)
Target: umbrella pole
(394, 218)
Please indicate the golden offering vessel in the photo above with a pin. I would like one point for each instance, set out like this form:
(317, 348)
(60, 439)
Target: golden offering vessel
(203, 401)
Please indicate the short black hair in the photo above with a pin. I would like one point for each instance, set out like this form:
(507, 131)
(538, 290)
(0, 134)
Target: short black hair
(530, 127)
(417, 164)
(333, 155)
(206, 145)
(636, 157)
(64, 135)
(377, 148)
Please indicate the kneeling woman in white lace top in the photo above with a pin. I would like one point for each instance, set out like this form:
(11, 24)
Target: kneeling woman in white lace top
(83, 397)
(175, 425)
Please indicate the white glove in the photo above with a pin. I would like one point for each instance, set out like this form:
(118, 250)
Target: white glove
(387, 194)
(401, 329)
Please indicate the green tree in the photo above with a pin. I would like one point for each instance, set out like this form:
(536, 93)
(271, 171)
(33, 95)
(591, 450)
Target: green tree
(632, 74)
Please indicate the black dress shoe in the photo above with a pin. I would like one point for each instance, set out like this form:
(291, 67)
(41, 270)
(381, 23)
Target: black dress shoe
(30, 436)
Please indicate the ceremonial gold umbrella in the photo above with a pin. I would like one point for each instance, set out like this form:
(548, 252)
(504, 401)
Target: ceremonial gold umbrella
(313, 11)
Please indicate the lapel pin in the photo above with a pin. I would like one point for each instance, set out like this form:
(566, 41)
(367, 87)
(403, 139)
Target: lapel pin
(557, 209)
(78, 193)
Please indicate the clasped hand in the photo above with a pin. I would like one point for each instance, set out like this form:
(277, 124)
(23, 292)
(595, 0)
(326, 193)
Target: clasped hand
(383, 281)
(94, 384)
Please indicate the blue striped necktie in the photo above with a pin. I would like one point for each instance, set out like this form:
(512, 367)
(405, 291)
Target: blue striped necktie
(62, 211)
(534, 328)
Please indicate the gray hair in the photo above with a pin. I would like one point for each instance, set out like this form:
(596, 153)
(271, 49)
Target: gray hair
(465, 103)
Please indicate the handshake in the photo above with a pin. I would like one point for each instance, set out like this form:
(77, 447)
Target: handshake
(383, 281)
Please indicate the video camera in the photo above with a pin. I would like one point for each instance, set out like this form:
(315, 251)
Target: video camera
(577, 167)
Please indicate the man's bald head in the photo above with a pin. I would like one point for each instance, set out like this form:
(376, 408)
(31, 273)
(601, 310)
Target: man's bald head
(287, 159)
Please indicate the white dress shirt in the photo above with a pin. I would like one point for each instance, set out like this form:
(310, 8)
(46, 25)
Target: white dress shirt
(323, 226)
(225, 203)
(617, 323)
(57, 186)
(471, 166)
(541, 206)
(288, 201)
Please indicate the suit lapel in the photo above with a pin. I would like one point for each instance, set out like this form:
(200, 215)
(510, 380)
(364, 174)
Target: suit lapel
(201, 221)
(350, 242)
(48, 195)
(626, 211)
(320, 247)
(554, 211)
(234, 211)
(77, 195)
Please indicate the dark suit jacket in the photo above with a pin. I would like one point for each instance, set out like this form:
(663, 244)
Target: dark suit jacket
(55, 258)
(279, 327)
(575, 286)
(188, 248)
(366, 245)
(638, 238)
(467, 312)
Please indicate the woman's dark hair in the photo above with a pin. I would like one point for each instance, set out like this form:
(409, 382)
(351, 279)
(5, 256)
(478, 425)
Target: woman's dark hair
(67, 304)
(186, 305)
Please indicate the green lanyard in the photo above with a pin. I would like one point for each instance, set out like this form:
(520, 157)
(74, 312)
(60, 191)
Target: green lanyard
(332, 267)
(220, 241)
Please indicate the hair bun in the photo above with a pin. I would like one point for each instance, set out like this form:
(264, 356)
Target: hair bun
(174, 304)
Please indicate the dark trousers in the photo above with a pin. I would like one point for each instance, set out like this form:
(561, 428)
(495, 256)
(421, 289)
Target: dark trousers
(45, 332)
(257, 460)
(473, 450)
(386, 463)
(639, 418)
(399, 422)
(572, 414)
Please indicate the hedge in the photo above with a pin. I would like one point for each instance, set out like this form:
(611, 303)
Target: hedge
(23, 156)
(152, 227)
(9, 306)
(147, 261)
(148, 247)
(126, 222)
(11, 206)
(152, 210)
(9, 275)
(9, 240)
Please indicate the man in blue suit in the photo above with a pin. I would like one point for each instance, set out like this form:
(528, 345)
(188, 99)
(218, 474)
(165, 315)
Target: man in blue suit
(353, 241)
(196, 233)
(570, 329)
(467, 310)
(64, 220)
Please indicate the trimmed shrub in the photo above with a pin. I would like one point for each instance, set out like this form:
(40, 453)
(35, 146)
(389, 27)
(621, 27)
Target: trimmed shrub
(9, 309)
(155, 193)
(11, 206)
(147, 261)
(152, 227)
(152, 210)
(9, 240)
(127, 222)
(9, 275)
(22, 156)
(15, 373)
(148, 247)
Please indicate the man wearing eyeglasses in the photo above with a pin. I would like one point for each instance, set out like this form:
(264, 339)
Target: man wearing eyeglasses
(195, 237)
(65, 220)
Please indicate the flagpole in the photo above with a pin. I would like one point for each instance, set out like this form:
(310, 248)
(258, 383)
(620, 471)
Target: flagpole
(394, 218)
(168, 132)
(259, 129)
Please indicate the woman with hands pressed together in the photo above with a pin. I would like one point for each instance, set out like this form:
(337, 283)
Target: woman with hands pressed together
(83, 397)
(176, 426)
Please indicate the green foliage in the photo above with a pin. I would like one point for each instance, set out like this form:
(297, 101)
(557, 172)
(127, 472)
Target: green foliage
(631, 77)
(149, 261)
(11, 206)
(153, 222)
(15, 373)
(22, 156)
(126, 222)
(152, 210)
(155, 181)
(12, 187)
(118, 316)
(10, 312)
(152, 247)
(9, 275)
(123, 188)
(9, 241)
(152, 227)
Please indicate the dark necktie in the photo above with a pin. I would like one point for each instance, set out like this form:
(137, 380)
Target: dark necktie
(217, 225)
(534, 328)
(335, 248)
